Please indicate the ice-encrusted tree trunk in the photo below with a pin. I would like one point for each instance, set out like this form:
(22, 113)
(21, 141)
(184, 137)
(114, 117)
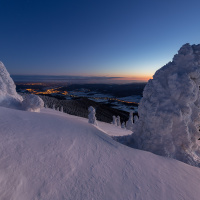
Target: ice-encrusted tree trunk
(91, 116)
(8, 95)
(169, 111)
(129, 123)
(118, 121)
(114, 122)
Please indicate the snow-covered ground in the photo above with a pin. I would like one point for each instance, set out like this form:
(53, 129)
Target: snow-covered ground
(53, 156)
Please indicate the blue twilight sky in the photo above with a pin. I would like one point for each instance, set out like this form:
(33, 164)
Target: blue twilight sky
(120, 38)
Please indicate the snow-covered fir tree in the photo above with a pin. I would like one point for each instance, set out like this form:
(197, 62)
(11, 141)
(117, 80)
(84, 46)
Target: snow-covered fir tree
(118, 121)
(8, 95)
(91, 116)
(169, 111)
(61, 109)
(123, 125)
(114, 122)
(129, 123)
(135, 119)
(32, 103)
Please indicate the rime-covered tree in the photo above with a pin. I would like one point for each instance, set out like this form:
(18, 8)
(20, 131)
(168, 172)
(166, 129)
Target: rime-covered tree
(32, 103)
(135, 119)
(169, 111)
(129, 123)
(8, 95)
(91, 116)
(123, 125)
(118, 121)
(114, 122)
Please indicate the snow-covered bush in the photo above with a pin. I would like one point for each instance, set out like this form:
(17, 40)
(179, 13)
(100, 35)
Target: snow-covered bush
(114, 122)
(169, 111)
(129, 123)
(91, 116)
(8, 95)
(118, 121)
(32, 103)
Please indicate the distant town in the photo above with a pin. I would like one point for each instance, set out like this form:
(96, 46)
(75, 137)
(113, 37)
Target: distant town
(112, 94)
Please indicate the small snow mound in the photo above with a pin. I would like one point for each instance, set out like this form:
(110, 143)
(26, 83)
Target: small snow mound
(169, 111)
(8, 95)
(32, 103)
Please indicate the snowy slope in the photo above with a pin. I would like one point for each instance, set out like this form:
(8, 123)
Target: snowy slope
(55, 156)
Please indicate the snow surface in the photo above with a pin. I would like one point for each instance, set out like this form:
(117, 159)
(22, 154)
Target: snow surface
(53, 156)
(169, 111)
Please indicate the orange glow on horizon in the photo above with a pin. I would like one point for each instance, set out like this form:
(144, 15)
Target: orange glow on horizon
(134, 78)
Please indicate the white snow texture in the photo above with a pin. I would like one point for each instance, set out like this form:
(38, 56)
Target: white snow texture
(169, 111)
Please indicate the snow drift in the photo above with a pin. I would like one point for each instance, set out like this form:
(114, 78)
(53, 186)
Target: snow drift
(169, 119)
(52, 156)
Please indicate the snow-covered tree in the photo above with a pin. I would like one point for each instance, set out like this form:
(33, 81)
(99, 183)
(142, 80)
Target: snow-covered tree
(58, 109)
(118, 121)
(114, 122)
(54, 107)
(61, 109)
(91, 116)
(129, 123)
(8, 95)
(169, 111)
(123, 125)
(135, 119)
(32, 103)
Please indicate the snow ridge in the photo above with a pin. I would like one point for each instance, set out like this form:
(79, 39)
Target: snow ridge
(169, 111)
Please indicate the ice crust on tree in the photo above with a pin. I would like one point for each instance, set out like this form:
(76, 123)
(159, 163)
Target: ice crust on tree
(8, 95)
(32, 103)
(169, 111)
(91, 116)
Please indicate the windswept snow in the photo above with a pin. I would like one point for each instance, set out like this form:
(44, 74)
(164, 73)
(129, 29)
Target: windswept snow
(52, 156)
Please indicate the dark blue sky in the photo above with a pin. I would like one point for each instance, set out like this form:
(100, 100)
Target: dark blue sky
(94, 37)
